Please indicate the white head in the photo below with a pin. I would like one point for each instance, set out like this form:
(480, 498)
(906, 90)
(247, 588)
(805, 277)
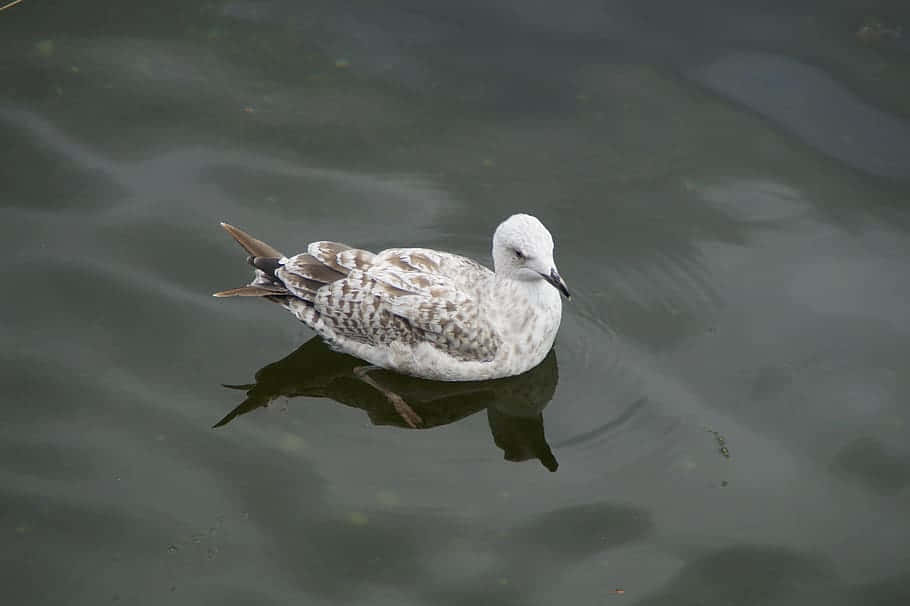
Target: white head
(523, 250)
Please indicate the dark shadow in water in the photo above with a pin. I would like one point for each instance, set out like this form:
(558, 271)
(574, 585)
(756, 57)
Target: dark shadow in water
(582, 530)
(867, 460)
(531, 558)
(513, 404)
(885, 592)
(752, 574)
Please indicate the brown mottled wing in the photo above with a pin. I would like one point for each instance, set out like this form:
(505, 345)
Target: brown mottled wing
(412, 295)
(327, 253)
(323, 263)
(463, 272)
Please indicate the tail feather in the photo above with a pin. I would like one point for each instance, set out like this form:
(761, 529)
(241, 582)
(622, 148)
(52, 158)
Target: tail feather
(256, 248)
(252, 291)
(264, 284)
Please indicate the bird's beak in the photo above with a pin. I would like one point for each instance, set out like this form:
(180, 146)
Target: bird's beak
(557, 281)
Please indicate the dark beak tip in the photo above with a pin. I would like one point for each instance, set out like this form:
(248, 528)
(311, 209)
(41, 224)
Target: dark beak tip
(555, 279)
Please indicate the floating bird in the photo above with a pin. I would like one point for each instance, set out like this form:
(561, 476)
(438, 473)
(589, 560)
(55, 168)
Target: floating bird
(418, 311)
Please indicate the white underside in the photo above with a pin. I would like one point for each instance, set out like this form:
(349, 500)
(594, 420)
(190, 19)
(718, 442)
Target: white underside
(427, 362)
(527, 329)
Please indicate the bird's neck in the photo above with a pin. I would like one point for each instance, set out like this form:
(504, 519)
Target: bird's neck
(538, 293)
(529, 302)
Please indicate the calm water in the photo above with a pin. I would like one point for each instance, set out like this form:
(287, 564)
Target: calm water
(724, 419)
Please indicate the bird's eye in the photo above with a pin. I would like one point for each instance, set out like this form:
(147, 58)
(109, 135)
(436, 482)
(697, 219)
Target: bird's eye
(519, 255)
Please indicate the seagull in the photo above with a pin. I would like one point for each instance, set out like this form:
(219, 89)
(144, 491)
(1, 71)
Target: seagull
(417, 311)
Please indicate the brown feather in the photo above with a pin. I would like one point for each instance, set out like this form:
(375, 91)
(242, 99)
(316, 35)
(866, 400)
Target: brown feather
(355, 258)
(298, 285)
(327, 253)
(309, 267)
(251, 291)
(255, 247)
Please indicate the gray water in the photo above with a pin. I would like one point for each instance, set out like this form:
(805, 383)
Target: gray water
(724, 419)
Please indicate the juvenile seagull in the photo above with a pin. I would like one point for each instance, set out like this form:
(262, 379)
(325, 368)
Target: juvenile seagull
(422, 312)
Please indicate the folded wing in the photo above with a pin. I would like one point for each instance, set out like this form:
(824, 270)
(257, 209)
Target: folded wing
(412, 296)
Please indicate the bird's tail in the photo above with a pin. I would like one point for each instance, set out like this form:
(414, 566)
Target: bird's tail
(263, 285)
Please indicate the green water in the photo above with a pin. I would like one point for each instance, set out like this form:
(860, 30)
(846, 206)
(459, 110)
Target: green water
(724, 419)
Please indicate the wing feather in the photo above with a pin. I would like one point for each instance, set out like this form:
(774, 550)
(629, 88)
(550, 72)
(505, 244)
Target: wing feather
(403, 295)
(299, 286)
(306, 273)
(327, 253)
(309, 267)
(354, 258)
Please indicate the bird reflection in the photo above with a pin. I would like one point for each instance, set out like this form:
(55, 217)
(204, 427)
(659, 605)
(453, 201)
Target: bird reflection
(514, 405)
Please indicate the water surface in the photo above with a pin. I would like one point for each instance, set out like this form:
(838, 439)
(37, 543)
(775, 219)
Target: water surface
(724, 417)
